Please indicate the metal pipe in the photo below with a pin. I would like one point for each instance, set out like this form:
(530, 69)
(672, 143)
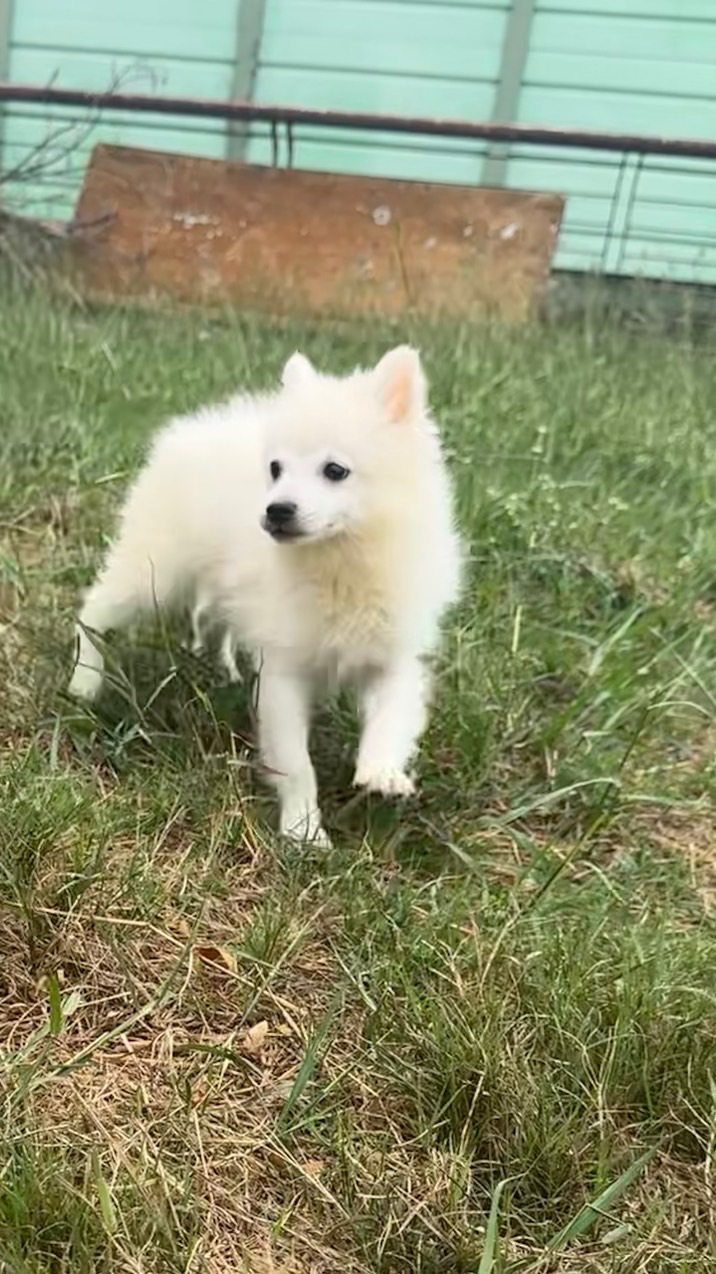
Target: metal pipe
(209, 108)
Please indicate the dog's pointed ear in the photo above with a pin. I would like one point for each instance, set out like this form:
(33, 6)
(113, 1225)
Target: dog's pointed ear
(297, 370)
(401, 384)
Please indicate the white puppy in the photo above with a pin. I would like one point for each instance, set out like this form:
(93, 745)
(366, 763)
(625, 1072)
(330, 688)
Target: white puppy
(316, 524)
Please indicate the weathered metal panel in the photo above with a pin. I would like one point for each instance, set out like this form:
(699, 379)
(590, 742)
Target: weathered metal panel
(315, 242)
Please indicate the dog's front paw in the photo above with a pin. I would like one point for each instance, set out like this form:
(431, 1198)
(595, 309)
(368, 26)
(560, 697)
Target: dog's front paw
(85, 683)
(386, 780)
(305, 829)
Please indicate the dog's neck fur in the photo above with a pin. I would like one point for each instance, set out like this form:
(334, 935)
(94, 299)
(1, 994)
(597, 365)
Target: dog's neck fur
(363, 557)
(346, 587)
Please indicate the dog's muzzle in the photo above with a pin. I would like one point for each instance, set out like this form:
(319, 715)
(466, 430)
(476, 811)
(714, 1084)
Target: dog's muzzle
(280, 520)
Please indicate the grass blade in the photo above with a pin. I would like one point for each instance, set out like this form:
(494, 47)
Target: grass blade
(308, 1065)
(489, 1252)
(104, 1195)
(56, 1010)
(592, 1212)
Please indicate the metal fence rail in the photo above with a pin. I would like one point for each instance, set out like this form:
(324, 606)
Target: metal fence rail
(290, 116)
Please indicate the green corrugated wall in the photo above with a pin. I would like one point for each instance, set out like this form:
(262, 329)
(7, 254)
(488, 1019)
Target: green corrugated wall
(625, 65)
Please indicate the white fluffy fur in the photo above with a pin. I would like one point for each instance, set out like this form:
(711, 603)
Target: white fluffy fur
(357, 597)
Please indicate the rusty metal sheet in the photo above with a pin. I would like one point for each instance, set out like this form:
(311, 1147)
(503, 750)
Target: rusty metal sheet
(287, 240)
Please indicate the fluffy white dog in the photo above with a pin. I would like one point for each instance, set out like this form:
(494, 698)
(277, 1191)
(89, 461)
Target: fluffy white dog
(315, 524)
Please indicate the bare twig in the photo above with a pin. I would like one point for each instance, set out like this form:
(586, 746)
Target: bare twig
(64, 139)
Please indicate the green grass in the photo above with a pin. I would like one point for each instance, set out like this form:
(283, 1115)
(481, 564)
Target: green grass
(490, 1019)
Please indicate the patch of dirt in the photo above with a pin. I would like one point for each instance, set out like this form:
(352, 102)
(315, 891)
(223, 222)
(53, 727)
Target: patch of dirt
(691, 835)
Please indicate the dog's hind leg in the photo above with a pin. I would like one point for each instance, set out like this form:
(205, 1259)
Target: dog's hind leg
(126, 587)
(228, 656)
(199, 616)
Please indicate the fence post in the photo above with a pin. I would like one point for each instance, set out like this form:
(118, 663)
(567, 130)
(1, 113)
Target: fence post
(249, 31)
(515, 48)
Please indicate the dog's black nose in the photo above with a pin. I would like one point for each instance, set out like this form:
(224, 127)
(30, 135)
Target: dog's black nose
(281, 513)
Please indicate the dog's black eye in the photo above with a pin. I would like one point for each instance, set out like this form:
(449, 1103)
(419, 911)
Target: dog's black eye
(335, 472)
(275, 469)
